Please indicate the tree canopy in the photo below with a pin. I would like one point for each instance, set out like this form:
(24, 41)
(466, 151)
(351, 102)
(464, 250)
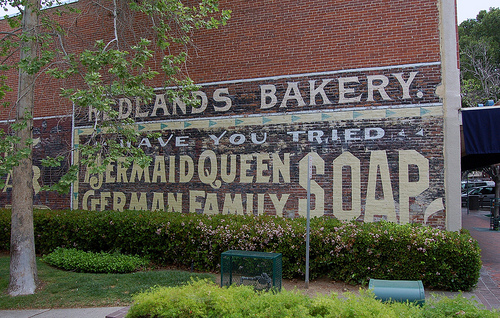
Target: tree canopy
(134, 45)
(479, 41)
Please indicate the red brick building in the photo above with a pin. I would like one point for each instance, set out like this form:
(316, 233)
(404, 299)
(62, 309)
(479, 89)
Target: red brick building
(368, 89)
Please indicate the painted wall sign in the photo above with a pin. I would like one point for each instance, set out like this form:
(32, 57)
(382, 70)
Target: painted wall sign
(375, 136)
(51, 137)
(327, 91)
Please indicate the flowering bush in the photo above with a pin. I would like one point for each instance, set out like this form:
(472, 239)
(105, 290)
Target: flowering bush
(347, 251)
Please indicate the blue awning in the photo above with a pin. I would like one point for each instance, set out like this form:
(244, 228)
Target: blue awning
(481, 136)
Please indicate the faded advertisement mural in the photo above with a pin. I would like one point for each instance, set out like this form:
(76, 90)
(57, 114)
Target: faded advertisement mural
(375, 136)
(51, 138)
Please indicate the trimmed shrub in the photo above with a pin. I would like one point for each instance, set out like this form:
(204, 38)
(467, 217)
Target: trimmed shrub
(346, 251)
(205, 299)
(88, 262)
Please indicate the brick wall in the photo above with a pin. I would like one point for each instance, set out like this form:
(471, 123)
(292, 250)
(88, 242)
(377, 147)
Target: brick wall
(350, 83)
(266, 38)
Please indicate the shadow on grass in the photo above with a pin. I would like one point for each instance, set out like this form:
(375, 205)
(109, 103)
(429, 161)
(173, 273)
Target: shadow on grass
(63, 289)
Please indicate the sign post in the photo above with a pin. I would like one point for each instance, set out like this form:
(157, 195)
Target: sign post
(308, 225)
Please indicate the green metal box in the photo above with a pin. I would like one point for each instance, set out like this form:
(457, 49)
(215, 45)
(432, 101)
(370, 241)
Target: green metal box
(398, 290)
(259, 269)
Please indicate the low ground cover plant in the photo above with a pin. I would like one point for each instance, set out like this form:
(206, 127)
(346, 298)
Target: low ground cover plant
(205, 299)
(68, 289)
(345, 251)
(90, 262)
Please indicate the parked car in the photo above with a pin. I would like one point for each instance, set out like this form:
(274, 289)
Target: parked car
(484, 194)
(476, 184)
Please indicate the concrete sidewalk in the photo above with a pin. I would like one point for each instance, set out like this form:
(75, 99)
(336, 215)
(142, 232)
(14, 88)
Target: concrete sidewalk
(108, 312)
(486, 292)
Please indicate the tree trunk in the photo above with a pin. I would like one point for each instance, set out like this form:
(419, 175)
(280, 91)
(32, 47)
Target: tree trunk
(23, 271)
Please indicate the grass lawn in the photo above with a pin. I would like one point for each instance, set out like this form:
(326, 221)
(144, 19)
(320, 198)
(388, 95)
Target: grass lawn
(62, 289)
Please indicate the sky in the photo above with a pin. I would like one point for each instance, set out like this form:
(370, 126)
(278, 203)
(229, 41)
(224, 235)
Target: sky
(468, 9)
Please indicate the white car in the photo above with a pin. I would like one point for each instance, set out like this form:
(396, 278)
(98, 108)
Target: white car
(476, 184)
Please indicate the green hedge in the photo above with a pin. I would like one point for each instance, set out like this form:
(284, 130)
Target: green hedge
(205, 299)
(351, 252)
(71, 259)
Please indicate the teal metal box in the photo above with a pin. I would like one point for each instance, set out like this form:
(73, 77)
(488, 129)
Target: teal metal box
(259, 269)
(398, 290)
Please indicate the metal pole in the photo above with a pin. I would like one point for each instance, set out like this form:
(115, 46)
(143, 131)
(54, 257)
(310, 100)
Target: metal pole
(467, 192)
(308, 225)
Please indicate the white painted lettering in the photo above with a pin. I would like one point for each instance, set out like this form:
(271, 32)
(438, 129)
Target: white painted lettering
(181, 141)
(160, 104)
(318, 90)
(203, 104)
(124, 103)
(293, 87)
(343, 90)
(217, 139)
(225, 99)
(405, 85)
(384, 81)
(267, 92)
